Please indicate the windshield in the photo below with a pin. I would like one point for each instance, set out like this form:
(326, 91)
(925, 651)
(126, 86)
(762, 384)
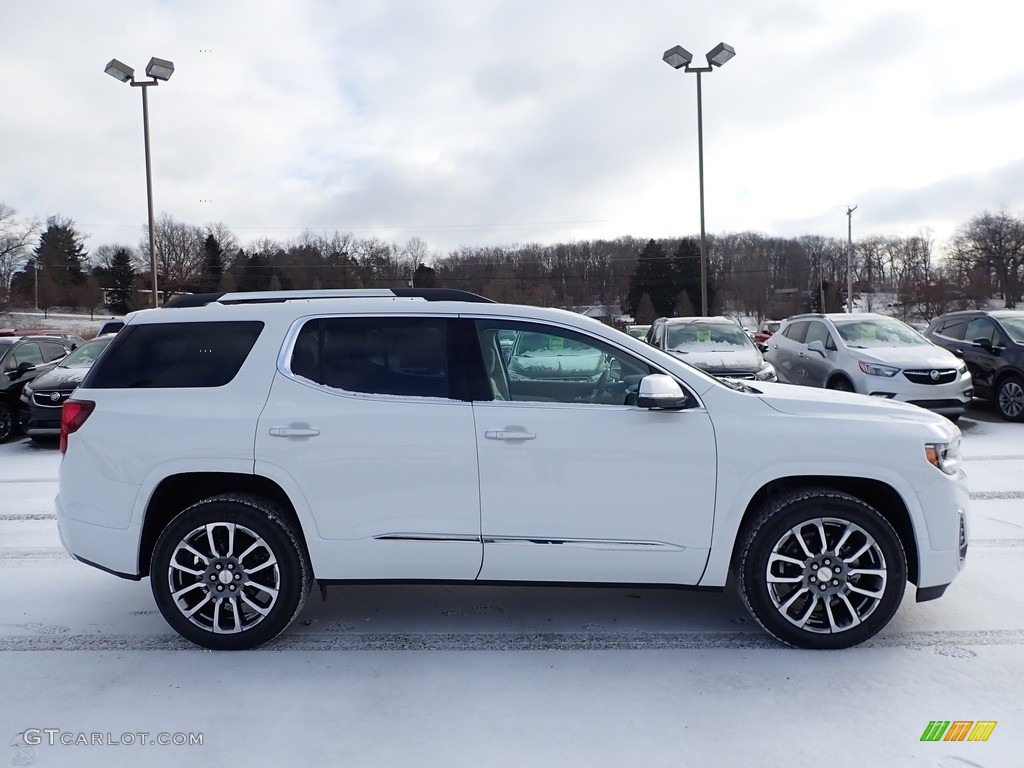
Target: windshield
(85, 355)
(864, 334)
(1015, 327)
(531, 344)
(707, 337)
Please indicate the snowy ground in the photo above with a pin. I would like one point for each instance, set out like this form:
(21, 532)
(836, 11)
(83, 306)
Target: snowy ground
(477, 676)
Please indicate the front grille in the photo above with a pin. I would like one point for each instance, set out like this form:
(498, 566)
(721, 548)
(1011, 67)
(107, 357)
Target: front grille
(727, 375)
(943, 376)
(935, 404)
(45, 398)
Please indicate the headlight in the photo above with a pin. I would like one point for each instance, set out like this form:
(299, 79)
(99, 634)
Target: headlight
(962, 368)
(945, 456)
(874, 369)
(766, 373)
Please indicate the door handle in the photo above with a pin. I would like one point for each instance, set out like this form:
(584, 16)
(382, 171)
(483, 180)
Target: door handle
(297, 431)
(509, 434)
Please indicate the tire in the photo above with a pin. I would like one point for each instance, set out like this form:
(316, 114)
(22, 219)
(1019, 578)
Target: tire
(1009, 398)
(8, 422)
(237, 534)
(812, 602)
(839, 384)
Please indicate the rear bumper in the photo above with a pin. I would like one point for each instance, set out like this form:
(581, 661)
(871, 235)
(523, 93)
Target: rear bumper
(110, 549)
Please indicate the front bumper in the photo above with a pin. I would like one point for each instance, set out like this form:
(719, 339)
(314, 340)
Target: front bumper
(942, 546)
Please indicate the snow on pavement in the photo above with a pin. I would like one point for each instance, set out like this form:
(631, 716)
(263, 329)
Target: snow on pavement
(470, 676)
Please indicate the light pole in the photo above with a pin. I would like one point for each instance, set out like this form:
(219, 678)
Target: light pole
(849, 257)
(156, 70)
(680, 58)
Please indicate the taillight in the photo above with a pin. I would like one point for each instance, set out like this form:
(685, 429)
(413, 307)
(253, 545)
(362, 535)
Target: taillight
(72, 416)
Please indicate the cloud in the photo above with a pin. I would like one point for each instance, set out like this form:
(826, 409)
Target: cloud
(467, 122)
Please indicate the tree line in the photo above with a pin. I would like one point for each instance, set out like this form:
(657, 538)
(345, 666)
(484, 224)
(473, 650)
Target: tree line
(749, 273)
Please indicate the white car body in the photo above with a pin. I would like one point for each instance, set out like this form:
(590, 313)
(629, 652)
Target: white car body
(417, 488)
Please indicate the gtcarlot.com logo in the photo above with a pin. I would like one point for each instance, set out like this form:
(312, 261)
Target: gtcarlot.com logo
(34, 737)
(958, 730)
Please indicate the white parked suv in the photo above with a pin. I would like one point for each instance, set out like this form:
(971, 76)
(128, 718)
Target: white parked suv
(873, 355)
(239, 451)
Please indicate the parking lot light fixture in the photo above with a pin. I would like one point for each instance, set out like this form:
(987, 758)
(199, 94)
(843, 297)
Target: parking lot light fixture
(678, 57)
(157, 70)
(119, 70)
(160, 69)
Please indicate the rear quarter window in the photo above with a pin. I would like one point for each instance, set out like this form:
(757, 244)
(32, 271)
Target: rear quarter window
(174, 355)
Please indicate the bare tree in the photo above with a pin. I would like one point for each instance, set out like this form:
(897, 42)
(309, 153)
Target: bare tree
(226, 239)
(16, 238)
(996, 242)
(179, 253)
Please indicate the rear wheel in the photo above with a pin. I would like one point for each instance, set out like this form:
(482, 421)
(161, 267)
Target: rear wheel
(821, 569)
(229, 572)
(1010, 398)
(7, 424)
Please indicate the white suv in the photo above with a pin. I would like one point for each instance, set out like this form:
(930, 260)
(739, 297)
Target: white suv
(239, 451)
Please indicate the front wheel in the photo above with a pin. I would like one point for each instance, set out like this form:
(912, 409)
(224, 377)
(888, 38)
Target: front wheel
(1010, 399)
(229, 572)
(839, 384)
(7, 421)
(821, 569)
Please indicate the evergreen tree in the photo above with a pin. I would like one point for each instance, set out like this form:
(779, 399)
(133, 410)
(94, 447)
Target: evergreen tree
(122, 280)
(60, 256)
(653, 276)
(213, 265)
(424, 277)
(686, 276)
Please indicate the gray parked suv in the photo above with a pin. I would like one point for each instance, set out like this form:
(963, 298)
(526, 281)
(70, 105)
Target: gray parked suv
(873, 355)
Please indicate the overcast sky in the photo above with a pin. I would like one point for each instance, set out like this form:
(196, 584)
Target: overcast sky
(481, 122)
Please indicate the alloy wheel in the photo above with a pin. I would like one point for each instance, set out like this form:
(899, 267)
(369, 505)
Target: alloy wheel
(826, 575)
(1010, 400)
(223, 577)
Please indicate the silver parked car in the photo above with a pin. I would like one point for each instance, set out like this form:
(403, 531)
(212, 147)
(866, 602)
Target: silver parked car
(873, 355)
(716, 345)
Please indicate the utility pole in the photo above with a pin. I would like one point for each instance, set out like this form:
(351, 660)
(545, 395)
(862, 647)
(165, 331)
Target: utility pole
(849, 257)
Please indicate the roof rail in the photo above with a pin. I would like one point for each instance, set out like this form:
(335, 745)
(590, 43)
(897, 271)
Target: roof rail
(273, 297)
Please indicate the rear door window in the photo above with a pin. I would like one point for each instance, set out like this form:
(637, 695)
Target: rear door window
(53, 351)
(796, 331)
(403, 356)
(174, 355)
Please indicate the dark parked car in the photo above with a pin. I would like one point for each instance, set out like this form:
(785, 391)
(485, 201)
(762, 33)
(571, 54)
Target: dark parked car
(41, 400)
(71, 339)
(23, 358)
(992, 345)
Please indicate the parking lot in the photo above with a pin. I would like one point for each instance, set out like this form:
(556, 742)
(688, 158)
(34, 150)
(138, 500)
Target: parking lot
(462, 675)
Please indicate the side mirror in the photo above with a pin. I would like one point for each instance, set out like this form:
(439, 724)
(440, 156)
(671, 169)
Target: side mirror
(985, 344)
(762, 347)
(817, 346)
(661, 392)
(22, 369)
